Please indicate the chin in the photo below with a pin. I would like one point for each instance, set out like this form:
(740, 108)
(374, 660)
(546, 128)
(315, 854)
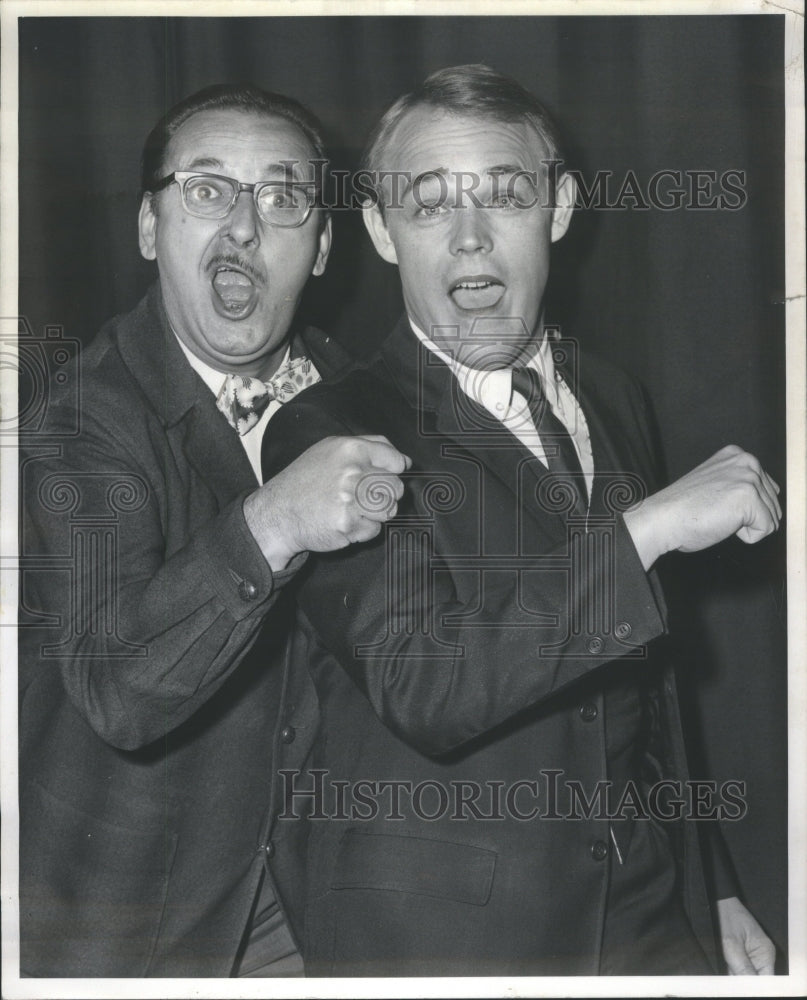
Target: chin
(488, 357)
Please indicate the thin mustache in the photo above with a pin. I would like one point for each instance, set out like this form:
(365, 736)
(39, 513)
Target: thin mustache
(232, 260)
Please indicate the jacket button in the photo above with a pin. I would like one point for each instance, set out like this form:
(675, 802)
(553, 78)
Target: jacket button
(288, 733)
(247, 591)
(599, 850)
(623, 630)
(269, 850)
(595, 645)
(588, 711)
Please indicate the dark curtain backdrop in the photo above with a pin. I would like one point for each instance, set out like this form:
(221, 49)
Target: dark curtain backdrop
(690, 301)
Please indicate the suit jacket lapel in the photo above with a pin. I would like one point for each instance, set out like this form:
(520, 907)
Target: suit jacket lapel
(430, 387)
(615, 450)
(212, 447)
(330, 358)
(182, 401)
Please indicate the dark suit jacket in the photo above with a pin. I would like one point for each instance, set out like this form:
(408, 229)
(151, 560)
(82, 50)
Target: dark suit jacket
(467, 647)
(150, 703)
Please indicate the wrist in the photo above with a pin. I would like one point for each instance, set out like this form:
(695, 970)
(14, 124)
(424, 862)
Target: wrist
(643, 528)
(274, 542)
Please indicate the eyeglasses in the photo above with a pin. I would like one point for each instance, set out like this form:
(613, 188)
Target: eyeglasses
(211, 196)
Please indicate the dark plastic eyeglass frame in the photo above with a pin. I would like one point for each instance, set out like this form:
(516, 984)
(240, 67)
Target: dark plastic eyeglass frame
(183, 176)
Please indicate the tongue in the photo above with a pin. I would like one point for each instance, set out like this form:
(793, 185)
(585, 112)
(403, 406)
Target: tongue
(477, 298)
(233, 288)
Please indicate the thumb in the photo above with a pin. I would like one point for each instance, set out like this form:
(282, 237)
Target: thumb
(737, 960)
(763, 957)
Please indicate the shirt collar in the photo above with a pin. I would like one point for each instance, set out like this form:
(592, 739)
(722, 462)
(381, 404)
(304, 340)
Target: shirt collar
(212, 378)
(493, 389)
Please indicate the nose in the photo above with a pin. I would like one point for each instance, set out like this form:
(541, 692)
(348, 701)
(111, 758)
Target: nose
(471, 231)
(242, 224)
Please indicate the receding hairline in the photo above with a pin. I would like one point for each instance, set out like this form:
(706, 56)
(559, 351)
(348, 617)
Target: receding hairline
(378, 152)
(242, 97)
(243, 113)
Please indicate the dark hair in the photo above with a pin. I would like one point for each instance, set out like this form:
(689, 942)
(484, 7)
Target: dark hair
(474, 90)
(225, 96)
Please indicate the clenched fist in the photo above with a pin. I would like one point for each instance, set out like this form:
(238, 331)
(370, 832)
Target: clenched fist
(341, 490)
(728, 494)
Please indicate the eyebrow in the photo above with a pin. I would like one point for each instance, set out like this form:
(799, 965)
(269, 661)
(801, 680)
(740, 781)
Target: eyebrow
(494, 171)
(505, 168)
(442, 171)
(205, 161)
(284, 169)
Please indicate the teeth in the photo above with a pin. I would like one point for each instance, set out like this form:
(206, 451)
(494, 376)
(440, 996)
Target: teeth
(472, 284)
(225, 279)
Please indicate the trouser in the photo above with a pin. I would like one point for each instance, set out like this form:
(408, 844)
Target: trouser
(268, 948)
(647, 932)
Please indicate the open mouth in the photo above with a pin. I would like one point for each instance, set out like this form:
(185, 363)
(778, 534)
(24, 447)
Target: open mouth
(234, 292)
(481, 291)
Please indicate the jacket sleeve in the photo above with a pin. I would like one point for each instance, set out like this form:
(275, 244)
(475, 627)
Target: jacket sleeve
(434, 680)
(144, 629)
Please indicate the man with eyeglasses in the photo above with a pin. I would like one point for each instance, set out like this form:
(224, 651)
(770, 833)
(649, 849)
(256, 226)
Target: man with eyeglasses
(152, 725)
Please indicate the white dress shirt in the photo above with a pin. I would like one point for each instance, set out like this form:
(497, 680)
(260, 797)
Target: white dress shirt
(494, 391)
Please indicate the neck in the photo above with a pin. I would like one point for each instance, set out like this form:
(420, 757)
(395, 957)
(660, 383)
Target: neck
(518, 355)
(262, 368)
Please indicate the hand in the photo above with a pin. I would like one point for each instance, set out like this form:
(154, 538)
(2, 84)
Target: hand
(728, 494)
(747, 949)
(341, 490)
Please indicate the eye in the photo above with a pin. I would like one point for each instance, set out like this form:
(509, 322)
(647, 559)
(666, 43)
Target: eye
(281, 198)
(429, 196)
(205, 192)
(278, 198)
(432, 211)
(502, 201)
(511, 192)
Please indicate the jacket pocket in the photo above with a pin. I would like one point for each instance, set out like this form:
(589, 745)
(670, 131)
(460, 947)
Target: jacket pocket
(92, 892)
(419, 865)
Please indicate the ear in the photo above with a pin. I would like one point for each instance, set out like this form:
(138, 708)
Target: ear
(147, 227)
(325, 238)
(379, 234)
(565, 196)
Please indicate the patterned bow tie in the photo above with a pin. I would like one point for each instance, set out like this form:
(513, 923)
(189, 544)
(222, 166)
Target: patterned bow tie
(242, 399)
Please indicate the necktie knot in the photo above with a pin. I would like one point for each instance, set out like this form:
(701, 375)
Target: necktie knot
(243, 399)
